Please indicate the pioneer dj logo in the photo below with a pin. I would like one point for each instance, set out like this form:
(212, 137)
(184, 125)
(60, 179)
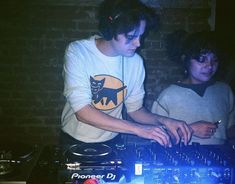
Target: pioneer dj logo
(107, 91)
(107, 176)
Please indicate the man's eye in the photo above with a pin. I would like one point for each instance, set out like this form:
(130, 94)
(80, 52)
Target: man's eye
(130, 37)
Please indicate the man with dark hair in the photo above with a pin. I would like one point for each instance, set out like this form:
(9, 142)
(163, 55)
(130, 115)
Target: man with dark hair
(103, 73)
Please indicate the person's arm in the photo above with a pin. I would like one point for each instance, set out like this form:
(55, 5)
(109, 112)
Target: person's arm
(96, 118)
(231, 132)
(179, 129)
(203, 129)
(231, 119)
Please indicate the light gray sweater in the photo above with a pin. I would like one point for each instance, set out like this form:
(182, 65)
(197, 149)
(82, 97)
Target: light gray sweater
(183, 103)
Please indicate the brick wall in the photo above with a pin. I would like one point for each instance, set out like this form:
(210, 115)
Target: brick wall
(34, 35)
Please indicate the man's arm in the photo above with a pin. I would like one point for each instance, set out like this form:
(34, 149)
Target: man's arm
(96, 118)
(179, 129)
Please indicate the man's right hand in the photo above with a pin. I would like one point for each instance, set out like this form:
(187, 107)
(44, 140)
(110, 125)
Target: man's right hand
(156, 133)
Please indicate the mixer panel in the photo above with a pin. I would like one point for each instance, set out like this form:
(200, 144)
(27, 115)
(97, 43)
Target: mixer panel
(137, 164)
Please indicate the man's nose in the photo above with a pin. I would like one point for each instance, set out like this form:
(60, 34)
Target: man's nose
(136, 42)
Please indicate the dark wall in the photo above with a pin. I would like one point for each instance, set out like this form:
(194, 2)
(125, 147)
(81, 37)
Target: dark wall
(34, 35)
(225, 26)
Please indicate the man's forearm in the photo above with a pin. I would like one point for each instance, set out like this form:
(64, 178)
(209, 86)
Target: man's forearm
(144, 116)
(93, 117)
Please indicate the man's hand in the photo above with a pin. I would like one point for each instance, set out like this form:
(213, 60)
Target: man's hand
(178, 130)
(156, 133)
(203, 129)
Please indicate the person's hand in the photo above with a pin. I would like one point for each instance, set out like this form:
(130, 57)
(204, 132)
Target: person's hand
(178, 130)
(203, 129)
(156, 133)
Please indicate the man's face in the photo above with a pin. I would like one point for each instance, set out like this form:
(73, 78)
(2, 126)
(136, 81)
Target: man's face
(202, 70)
(126, 45)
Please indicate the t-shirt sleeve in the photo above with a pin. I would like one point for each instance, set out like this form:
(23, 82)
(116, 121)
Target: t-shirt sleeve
(76, 81)
(135, 99)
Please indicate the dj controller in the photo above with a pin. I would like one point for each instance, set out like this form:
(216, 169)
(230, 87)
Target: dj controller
(125, 164)
(17, 161)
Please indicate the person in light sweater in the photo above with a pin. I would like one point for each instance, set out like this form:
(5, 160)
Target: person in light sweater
(103, 73)
(205, 104)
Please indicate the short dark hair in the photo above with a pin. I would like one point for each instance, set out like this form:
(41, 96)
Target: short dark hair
(122, 16)
(199, 43)
(183, 46)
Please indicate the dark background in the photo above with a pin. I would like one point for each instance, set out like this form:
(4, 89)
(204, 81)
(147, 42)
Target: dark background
(224, 28)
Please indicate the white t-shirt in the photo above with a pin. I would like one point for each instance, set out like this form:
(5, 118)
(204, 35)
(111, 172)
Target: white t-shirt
(182, 103)
(91, 77)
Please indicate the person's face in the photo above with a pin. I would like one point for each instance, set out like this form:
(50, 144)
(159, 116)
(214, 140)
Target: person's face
(126, 45)
(202, 69)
